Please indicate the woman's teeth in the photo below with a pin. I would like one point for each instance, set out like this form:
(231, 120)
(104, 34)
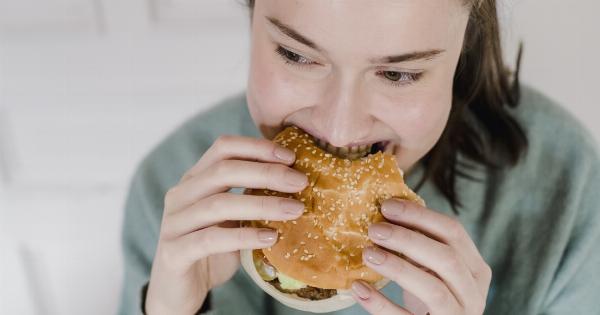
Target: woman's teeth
(353, 152)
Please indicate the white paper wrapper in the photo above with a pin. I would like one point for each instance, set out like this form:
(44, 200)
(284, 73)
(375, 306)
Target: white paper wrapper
(337, 302)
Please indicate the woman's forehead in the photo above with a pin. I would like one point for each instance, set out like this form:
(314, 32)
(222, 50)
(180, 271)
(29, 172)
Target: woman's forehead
(376, 27)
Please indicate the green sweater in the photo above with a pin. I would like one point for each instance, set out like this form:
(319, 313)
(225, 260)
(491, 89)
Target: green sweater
(537, 224)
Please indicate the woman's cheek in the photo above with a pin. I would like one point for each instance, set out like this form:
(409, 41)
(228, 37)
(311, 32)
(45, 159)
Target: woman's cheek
(428, 124)
(272, 92)
(418, 120)
(279, 87)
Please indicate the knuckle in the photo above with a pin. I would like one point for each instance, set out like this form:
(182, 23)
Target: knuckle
(411, 208)
(201, 240)
(214, 203)
(399, 267)
(222, 167)
(170, 195)
(213, 206)
(455, 230)
(452, 260)
(266, 171)
(240, 235)
(272, 172)
(407, 235)
(222, 141)
(488, 272)
(246, 236)
(269, 204)
(380, 306)
(485, 273)
(439, 296)
(186, 175)
(267, 145)
(263, 204)
(166, 231)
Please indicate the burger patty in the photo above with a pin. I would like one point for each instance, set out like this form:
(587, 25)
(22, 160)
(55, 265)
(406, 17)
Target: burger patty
(308, 292)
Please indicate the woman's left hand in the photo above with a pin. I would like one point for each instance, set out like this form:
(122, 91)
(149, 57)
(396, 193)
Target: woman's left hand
(441, 265)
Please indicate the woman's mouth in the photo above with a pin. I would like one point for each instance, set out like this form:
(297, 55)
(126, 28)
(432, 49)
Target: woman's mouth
(353, 152)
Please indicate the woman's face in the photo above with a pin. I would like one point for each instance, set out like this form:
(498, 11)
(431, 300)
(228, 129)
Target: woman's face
(356, 72)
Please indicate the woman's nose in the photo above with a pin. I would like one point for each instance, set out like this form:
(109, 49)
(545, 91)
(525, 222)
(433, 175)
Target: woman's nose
(342, 117)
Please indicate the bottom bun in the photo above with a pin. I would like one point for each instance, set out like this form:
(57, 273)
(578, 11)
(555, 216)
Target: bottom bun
(343, 298)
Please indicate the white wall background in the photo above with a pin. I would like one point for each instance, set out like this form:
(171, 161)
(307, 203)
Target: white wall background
(87, 87)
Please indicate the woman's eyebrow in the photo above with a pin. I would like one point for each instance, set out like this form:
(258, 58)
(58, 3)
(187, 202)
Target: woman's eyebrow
(416, 55)
(290, 32)
(412, 56)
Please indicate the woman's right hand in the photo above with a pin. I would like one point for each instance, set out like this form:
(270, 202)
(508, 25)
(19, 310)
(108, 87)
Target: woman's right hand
(200, 235)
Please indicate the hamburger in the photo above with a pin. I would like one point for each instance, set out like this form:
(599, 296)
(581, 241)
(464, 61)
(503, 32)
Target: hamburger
(317, 256)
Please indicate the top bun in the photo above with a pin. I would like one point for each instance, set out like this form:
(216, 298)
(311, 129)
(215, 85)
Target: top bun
(323, 248)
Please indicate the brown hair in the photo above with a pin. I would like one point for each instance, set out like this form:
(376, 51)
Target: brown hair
(480, 126)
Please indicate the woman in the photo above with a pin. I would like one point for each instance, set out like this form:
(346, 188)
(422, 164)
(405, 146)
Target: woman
(511, 180)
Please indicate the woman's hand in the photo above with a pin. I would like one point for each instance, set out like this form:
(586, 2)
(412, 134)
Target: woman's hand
(200, 235)
(440, 265)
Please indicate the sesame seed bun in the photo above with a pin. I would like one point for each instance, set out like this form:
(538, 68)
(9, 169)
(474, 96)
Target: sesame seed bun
(323, 248)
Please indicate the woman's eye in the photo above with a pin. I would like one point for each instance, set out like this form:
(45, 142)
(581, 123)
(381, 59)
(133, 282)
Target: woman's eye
(400, 78)
(292, 57)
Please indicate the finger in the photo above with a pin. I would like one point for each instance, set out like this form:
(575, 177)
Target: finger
(373, 301)
(413, 304)
(428, 288)
(241, 148)
(430, 253)
(187, 249)
(228, 206)
(443, 228)
(235, 173)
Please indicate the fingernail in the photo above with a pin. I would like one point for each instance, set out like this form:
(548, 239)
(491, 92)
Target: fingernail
(392, 207)
(284, 154)
(292, 206)
(296, 178)
(361, 290)
(380, 231)
(374, 255)
(267, 236)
